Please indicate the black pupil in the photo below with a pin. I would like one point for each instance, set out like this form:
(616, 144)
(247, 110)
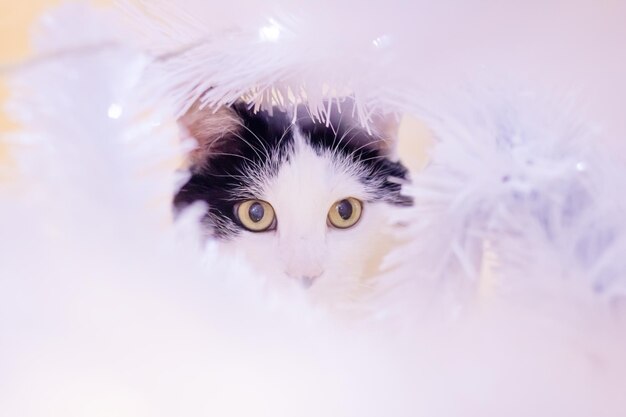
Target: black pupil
(256, 212)
(344, 208)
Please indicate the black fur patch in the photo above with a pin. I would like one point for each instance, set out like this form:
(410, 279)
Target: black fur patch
(219, 182)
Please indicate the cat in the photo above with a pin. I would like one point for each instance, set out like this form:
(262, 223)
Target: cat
(303, 200)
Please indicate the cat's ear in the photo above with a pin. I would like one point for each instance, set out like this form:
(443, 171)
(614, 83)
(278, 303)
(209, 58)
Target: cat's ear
(382, 126)
(211, 128)
(385, 128)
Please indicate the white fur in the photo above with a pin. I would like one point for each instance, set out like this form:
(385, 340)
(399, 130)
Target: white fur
(303, 244)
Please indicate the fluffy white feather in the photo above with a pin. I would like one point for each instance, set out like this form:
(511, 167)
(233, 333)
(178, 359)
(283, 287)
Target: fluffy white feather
(521, 177)
(287, 50)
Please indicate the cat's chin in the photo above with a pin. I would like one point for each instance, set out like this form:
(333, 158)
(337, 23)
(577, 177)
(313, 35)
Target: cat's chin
(344, 303)
(328, 291)
(344, 296)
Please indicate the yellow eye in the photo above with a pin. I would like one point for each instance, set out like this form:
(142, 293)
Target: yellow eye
(345, 213)
(256, 215)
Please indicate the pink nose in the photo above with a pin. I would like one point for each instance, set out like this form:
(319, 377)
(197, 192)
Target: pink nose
(305, 280)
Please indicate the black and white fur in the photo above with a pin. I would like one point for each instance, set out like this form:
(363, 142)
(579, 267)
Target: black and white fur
(301, 166)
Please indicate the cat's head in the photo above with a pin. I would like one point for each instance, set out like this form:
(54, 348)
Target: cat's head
(304, 201)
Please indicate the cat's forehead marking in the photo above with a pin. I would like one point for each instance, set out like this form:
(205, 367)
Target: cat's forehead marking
(309, 180)
(302, 166)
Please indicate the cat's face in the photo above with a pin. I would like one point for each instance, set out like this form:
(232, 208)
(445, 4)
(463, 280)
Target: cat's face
(304, 202)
